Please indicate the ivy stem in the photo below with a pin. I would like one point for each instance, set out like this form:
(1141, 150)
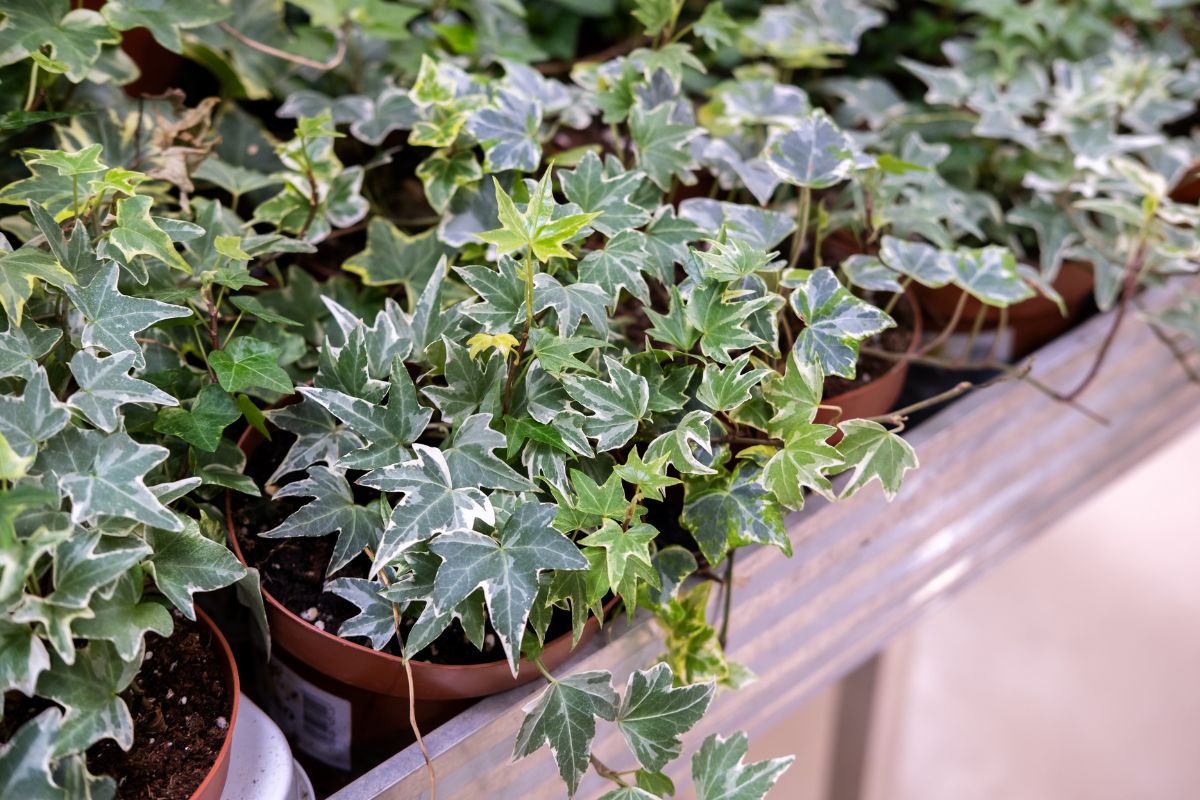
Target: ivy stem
(1171, 344)
(801, 225)
(950, 326)
(726, 600)
(530, 266)
(905, 282)
(897, 417)
(606, 773)
(321, 66)
(32, 94)
(537, 662)
(75, 195)
(632, 507)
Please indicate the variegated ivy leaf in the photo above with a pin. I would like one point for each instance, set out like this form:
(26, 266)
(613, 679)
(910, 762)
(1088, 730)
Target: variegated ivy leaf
(502, 291)
(802, 463)
(332, 510)
(22, 658)
(556, 354)
(759, 227)
(23, 346)
(124, 618)
(571, 303)
(80, 570)
(137, 234)
(654, 714)
(626, 557)
(680, 445)
(721, 316)
(693, 645)
(990, 275)
(375, 620)
(723, 389)
(416, 573)
(25, 758)
(835, 323)
(90, 691)
(814, 153)
(13, 467)
(472, 462)
(392, 110)
(434, 501)
(719, 774)
(164, 21)
(618, 266)
(868, 272)
(389, 337)
(20, 554)
(673, 327)
(200, 425)
(347, 368)
(444, 172)
(472, 384)
(32, 419)
(563, 716)
(393, 257)
(507, 129)
(922, 262)
(110, 319)
(320, 438)
(629, 793)
(386, 430)
(661, 145)
(873, 452)
(794, 396)
(734, 511)
(616, 405)
(594, 191)
(734, 259)
(23, 269)
(536, 229)
(650, 476)
(75, 36)
(506, 568)
(249, 363)
(105, 384)
(185, 561)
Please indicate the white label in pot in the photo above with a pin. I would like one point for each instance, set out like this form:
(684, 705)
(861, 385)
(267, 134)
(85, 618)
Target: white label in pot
(317, 722)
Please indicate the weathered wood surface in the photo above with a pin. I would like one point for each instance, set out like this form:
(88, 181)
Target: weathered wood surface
(998, 468)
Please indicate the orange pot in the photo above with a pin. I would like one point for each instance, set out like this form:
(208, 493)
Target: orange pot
(213, 784)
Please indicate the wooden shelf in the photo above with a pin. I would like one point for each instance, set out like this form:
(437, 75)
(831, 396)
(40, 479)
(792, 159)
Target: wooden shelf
(998, 468)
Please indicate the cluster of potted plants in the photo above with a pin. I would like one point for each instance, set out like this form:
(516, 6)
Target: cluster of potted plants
(451, 332)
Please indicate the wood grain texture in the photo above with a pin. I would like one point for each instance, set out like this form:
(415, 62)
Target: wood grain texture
(998, 468)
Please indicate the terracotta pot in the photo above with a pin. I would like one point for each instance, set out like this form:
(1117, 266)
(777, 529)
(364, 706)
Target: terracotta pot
(213, 784)
(1033, 322)
(878, 396)
(369, 688)
(1188, 189)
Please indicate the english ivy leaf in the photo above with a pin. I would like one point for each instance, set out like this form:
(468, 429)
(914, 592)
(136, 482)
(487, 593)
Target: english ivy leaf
(662, 145)
(89, 689)
(571, 303)
(439, 127)
(629, 793)
(506, 568)
(75, 36)
(331, 510)
(724, 515)
(759, 227)
(649, 476)
(990, 275)
(80, 570)
(22, 658)
(249, 363)
(716, 27)
(670, 59)
(255, 308)
(393, 109)
(680, 445)
(137, 234)
(868, 272)
(105, 384)
(389, 337)
(33, 418)
(627, 556)
(162, 18)
(471, 384)
(537, 228)
(556, 354)
(721, 317)
(733, 260)
(25, 759)
(667, 238)
(375, 620)
(618, 266)
(616, 405)
(123, 619)
(813, 153)
(212, 411)
(719, 774)
(654, 14)
(835, 323)
(922, 262)
(472, 462)
(502, 291)
(654, 714)
(393, 257)
(794, 396)
(803, 462)
(110, 319)
(433, 502)
(444, 172)
(114, 483)
(873, 451)
(319, 437)
(507, 130)
(23, 346)
(723, 389)
(81, 162)
(564, 717)
(673, 327)
(602, 500)
(185, 561)
(589, 188)
(20, 271)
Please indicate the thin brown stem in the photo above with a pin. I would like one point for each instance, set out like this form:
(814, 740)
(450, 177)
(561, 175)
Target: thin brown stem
(898, 416)
(606, 773)
(1001, 328)
(726, 600)
(905, 282)
(750, 440)
(950, 326)
(1181, 355)
(322, 66)
(976, 328)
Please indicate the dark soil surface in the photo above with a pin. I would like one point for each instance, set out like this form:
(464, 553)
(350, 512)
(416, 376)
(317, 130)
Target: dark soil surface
(181, 707)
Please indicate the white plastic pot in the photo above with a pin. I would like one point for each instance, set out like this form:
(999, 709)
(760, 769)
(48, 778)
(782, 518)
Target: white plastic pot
(261, 766)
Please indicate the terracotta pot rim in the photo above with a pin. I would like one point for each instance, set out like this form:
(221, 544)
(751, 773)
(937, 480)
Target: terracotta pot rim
(899, 365)
(220, 768)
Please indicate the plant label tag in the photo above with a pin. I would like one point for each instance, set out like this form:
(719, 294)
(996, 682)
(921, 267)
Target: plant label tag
(317, 722)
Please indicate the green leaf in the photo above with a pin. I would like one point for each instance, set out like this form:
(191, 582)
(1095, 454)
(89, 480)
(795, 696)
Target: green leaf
(716, 27)
(835, 323)
(722, 319)
(592, 190)
(922, 262)
(375, 619)
(186, 561)
(434, 501)
(89, 689)
(110, 319)
(163, 18)
(733, 260)
(571, 303)
(444, 172)
(629, 793)
(719, 774)
(627, 556)
(13, 467)
(654, 714)
(472, 462)
(393, 257)
(724, 515)
(25, 759)
(123, 619)
(723, 389)
(105, 384)
(114, 482)
(502, 291)
(670, 58)
(22, 658)
(873, 452)
(602, 500)
(564, 717)
(255, 308)
(439, 127)
(249, 363)
(802, 463)
(23, 346)
(679, 445)
(80, 571)
(471, 384)
(990, 275)
(137, 234)
(212, 411)
(618, 266)
(507, 131)
(536, 228)
(655, 14)
(794, 396)
(20, 272)
(814, 153)
(868, 272)
(82, 162)
(33, 418)
(673, 327)
(505, 568)
(616, 405)
(556, 354)
(75, 37)
(661, 145)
